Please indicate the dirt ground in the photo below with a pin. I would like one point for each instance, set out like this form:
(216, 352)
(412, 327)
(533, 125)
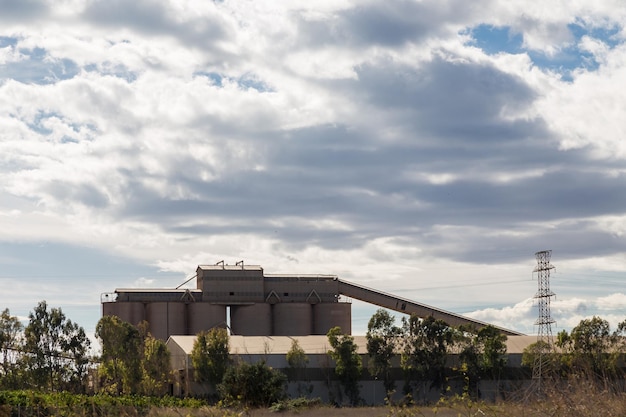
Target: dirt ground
(456, 411)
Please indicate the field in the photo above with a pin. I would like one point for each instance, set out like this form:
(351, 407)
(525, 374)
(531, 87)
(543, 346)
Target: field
(576, 403)
(571, 398)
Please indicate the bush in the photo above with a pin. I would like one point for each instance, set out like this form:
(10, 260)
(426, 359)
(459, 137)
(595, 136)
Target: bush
(255, 385)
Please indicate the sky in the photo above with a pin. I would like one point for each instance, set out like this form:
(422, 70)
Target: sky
(424, 148)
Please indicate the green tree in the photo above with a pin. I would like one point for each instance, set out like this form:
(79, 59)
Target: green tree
(481, 353)
(56, 350)
(155, 367)
(531, 354)
(590, 344)
(120, 364)
(425, 351)
(493, 343)
(210, 356)
(11, 339)
(298, 361)
(382, 337)
(254, 385)
(348, 364)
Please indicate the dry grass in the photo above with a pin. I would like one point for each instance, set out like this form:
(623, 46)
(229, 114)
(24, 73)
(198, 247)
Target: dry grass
(568, 398)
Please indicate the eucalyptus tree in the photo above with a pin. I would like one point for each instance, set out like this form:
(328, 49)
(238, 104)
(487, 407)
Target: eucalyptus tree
(210, 356)
(56, 350)
(348, 364)
(11, 349)
(298, 360)
(591, 347)
(425, 351)
(155, 366)
(382, 345)
(120, 363)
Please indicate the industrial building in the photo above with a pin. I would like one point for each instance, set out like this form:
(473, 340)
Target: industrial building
(319, 377)
(250, 303)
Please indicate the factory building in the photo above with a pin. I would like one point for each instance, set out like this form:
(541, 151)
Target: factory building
(251, 303)
(241, 296)
(319, 375)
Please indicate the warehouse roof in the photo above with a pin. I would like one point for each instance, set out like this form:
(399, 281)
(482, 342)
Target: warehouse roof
(318, 344)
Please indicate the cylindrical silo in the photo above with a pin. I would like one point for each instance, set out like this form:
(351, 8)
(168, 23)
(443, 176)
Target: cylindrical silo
(205, 316)
(131, 312)
(177, 319)
(292, 319)
(329, 315)
(251, 320)
(166, 319)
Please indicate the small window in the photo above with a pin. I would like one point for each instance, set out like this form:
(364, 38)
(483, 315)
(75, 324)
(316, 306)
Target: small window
(285, 294)
(232, 293)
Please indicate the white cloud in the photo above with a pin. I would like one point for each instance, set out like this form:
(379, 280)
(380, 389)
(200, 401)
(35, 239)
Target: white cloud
(366, 140)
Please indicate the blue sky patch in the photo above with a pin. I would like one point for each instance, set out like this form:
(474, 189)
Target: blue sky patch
(495, 39)
(38, 68)
(501, 39)
(245, 82)
(7, 41)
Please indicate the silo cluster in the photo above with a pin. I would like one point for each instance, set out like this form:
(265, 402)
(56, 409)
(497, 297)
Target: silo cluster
(259, 305)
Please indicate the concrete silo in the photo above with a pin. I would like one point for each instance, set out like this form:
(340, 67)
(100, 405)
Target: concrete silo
(329, 315)
(251, 319)
(292, 319)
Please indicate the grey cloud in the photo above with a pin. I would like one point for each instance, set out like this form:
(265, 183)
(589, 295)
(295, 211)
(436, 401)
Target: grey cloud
(390, 24)
(22, 10)
(447, 99)
(152, 18)
(84, 194)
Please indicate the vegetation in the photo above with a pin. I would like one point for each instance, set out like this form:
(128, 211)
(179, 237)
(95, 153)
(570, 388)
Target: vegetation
(132, 361)
(382, 341)
(253, 385)
(424, 353)
(298, 361)
(210, 356)
(45, 369)
(348, 363)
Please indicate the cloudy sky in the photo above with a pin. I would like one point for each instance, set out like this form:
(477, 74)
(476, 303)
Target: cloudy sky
(424, 148)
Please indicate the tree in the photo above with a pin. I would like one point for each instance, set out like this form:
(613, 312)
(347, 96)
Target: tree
(381, 339)
(481, 353)
(348, 363)
(56, 349)
(132, 361)
(254, 385)
(210, 356)
(120, 368)
(493, 344)
(11, 338)
(297, 361)
(532, 352)
(425, 351)
(589, 345)
(155, 367)
(469, 359)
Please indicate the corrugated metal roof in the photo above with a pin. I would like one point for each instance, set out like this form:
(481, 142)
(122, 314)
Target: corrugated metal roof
(318, 344)
(158, 290)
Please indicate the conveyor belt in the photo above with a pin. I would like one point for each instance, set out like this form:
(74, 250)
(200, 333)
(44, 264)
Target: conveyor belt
(403, 305)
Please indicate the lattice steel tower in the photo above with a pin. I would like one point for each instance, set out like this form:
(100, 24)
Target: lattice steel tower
(545, 341)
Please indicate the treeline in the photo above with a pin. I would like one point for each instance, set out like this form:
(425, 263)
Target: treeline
(432, 354)
(51, 354)
(590, 349)
(429, 353)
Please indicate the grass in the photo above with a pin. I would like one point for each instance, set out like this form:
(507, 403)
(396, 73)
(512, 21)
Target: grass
(574, 397)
